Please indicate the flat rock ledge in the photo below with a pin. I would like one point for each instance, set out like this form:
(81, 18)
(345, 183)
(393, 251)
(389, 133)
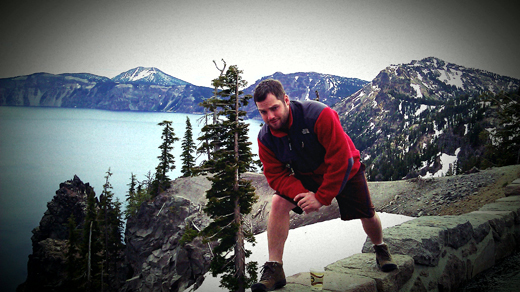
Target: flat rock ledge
(433, 253)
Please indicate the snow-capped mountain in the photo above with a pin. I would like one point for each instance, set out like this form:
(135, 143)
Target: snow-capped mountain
(138, 89)
(308, 85)
(303, 86)
(411, 119)
(148, 75)
(413, 116)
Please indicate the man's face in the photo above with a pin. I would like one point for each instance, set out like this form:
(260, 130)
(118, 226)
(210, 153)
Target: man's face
(274, 112)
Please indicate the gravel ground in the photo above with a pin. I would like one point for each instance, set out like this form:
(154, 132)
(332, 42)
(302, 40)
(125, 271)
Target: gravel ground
(456, 195)
(451, 195)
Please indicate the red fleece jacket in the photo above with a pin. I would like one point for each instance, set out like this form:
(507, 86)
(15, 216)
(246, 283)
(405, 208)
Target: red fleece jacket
(331, 174)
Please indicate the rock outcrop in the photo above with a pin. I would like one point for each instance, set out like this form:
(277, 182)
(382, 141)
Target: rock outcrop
(157, 259)
(154, 252)
(46, 267)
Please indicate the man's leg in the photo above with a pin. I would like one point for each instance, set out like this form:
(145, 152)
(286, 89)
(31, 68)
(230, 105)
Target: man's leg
(373, 229)
(273, 276)
(278, 227)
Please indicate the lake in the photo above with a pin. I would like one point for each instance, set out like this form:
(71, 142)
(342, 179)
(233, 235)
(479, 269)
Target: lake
(43, 147)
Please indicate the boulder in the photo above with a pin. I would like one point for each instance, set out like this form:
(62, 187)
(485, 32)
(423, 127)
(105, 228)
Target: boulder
(423, 243)
(364, 265)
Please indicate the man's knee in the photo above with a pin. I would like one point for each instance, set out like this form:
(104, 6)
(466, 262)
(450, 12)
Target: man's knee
(281, 205)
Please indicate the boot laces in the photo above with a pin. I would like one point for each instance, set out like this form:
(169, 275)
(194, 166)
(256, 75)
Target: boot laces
(382, 252)
(267, 272)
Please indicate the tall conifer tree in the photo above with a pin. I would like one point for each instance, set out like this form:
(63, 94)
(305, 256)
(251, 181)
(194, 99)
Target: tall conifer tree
(230, 196)
(507, 136)
(136, 195)
(73, 272)
(91, 248)
(210, 135)
(166, 159)
(188, 147)
(111, 225)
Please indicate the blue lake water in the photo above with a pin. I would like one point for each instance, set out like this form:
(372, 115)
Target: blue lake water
(43, 147)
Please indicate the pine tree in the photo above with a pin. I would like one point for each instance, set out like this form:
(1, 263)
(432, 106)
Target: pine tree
(91, 247)
(230, 196)
(508, 127)
(188, 147)
(136, 195)
(131, 195)
(73, 272)
(111, 225)
(115, 246)
(210, 135)
(166, 159)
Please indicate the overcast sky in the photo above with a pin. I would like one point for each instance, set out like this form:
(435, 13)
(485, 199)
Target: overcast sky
(182, 38)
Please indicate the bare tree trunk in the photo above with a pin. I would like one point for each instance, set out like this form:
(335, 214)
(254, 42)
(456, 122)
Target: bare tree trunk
(239, 246)
(106, 236)
(216, 147)
(89, 256)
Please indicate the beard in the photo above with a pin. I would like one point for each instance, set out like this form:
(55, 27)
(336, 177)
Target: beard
(280, 122)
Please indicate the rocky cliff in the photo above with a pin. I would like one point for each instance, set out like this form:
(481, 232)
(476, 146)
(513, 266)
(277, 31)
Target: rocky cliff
(157, 257)
(46, 267)
(154, 252)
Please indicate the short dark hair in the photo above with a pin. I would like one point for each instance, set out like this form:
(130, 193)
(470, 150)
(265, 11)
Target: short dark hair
(267, 86)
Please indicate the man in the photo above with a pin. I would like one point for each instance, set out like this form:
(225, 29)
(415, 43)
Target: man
(309, 160)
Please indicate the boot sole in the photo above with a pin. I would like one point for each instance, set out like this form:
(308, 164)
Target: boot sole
(259, 287)
(388, 267)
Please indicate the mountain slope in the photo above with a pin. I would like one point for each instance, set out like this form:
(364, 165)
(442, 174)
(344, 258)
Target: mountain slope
(412, 116)
(411, 119)
(149, 89)
(143, 92)
(304, 85)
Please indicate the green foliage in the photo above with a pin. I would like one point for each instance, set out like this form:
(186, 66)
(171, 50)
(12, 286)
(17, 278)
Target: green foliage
(111, 227)
(504, 148)
(93, 261)
(188, 147)
(484, 128)
(136, 195)
(189, 235)
(92, 248)
(211, 136)
(73, 257)
(166, 159)
(230, 197)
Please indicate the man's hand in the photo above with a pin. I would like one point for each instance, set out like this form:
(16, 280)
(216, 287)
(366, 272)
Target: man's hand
(308, 202)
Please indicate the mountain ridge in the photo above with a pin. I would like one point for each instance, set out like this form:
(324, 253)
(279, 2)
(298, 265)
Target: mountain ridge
(443, 80)
(412, 119)
(149, 89)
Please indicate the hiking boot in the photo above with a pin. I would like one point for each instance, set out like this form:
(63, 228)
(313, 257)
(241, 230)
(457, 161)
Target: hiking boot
(272, 278)
(384, 258)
